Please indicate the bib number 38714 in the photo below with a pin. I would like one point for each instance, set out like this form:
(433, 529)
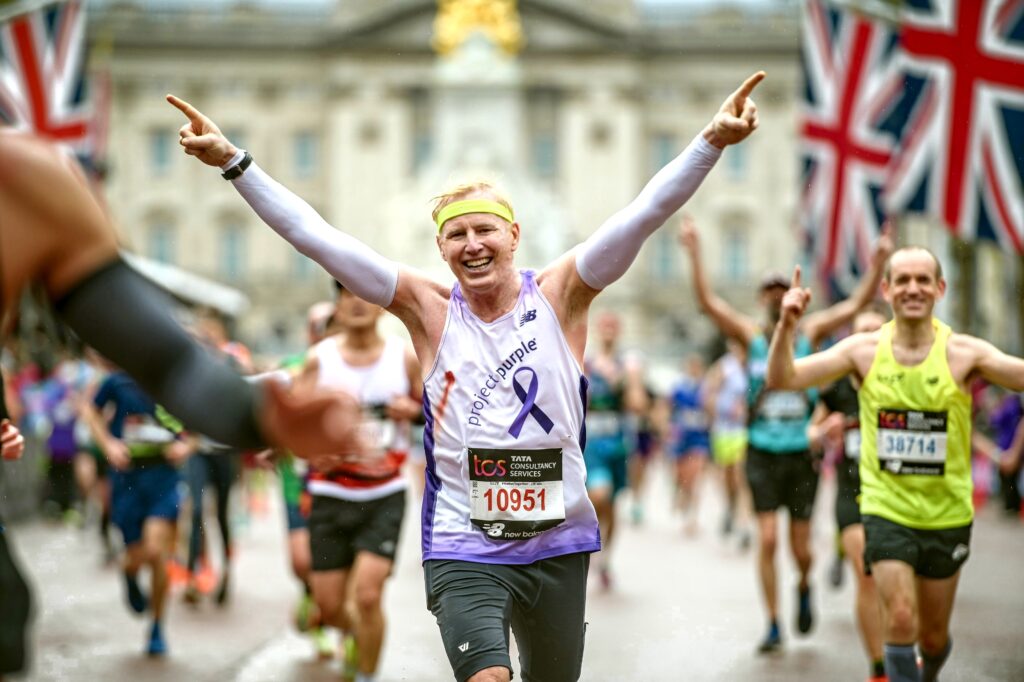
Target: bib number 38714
(912, 442)
(515, 494)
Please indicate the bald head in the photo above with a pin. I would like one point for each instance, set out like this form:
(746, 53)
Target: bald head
(911, 252)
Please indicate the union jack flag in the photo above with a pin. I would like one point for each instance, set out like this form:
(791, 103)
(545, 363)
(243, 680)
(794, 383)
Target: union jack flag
(42, 74)
(846, 147)
(960, 117)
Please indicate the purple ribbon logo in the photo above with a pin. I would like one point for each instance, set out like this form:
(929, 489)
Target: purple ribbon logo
(530, 408)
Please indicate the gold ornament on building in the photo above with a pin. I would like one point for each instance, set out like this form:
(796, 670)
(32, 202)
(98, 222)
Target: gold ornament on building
(456, 20)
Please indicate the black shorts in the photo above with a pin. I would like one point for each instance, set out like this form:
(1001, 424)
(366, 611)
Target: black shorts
(847, 493)
(935, 554)
(544, 602)
(338, 529)
(788, 479)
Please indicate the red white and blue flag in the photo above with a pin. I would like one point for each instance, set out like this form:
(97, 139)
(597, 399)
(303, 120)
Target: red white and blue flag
(961, 154)
(846, 148)
(922, 115)
(42, 74)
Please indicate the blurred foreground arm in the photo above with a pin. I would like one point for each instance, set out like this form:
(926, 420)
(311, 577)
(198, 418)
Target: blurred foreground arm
(63, 239)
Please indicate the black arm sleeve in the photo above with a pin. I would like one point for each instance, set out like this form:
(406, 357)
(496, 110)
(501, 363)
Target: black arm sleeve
(128, 320)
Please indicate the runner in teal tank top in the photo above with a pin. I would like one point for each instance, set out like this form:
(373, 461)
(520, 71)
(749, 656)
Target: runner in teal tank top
(779, 466)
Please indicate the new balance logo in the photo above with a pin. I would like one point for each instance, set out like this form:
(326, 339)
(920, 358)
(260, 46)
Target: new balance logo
(528, 316)
(464, 647)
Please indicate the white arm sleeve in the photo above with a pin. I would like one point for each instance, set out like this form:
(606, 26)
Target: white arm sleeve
(609, 252)
(359, 268)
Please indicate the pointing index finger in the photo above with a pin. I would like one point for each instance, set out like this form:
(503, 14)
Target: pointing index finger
(184, 107)
(795, 283)
(749, 84)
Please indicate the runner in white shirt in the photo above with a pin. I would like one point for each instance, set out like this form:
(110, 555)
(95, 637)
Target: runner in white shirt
(358, 504)
(507, 526)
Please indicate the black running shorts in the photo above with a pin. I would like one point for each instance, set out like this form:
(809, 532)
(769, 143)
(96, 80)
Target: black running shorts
(935, 554)
(544, 602)
(786, 479)
(339, 529)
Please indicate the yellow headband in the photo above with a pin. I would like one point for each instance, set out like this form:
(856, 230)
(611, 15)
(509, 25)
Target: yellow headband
(457, 208)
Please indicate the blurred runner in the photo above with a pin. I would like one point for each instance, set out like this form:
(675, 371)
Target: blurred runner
(358, 505)
(727, 391)
(836, 425)
(144, 446)
(616, 393)
(691, 440)
(780, 469)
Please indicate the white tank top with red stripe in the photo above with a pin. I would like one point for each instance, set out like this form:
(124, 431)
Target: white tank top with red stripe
(378, 473)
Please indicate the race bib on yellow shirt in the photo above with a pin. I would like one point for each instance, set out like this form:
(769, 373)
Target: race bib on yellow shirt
(912, 442)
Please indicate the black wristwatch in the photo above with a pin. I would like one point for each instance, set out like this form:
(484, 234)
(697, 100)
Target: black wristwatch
(235, 171)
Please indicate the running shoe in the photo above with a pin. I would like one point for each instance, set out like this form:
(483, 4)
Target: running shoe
(136, 599)
(804, 617)
(772, 641)
(350, 658)
(157, 646)
(322, 642)
(306, 616)
(727, 524)
(222, 589)
(191, 595)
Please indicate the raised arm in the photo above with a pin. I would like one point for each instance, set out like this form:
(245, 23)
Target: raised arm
(821, 324)
(358, 267)
(606, 255)
(814, 370)
(730, 321)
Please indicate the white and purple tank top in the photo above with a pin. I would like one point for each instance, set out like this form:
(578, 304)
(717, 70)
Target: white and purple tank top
(504, 406)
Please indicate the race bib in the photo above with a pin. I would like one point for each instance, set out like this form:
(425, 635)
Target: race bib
(379, 433)
(851, 443)
(912, 442)
(515, 494)
(783, 406)
(143, 429)
(604, 424)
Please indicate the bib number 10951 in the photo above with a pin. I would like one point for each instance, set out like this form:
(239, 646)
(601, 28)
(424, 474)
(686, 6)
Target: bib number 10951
(515, 499)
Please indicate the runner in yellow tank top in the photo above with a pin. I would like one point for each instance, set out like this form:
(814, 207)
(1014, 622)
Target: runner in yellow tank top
(916, 439)
(915, 465)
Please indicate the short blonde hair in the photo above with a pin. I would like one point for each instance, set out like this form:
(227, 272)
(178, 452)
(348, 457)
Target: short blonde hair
(466, 190)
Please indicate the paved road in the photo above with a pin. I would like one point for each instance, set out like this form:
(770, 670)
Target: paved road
(683, 609)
